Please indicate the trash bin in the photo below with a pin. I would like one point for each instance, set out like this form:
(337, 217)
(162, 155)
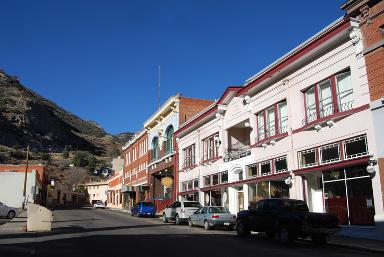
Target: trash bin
(39, 218)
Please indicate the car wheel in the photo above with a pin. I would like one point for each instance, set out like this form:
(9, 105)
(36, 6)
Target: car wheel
(11, 214)
(230, 228)
(286, 235)
(177, 220)
(190, 223)
(319, 239)
(165, 220)
(242, 229)
(206, 225)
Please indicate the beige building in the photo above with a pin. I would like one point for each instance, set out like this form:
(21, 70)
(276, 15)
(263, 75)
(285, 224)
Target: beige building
(97, 191)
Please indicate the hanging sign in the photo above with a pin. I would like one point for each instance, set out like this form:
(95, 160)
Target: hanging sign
(167, 181)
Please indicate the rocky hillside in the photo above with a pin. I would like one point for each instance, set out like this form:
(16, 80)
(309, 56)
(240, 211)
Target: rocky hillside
(26, 118)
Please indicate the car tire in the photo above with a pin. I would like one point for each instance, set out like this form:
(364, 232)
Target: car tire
(177, 220)
(286, 235)
(229, 228)
(190, 223)
(165, 220)
(319, 239)
(206, 225)
(11, 214)
(242, 229)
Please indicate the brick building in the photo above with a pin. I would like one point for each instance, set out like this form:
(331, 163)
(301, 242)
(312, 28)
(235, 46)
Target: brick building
(370, 18)
(160, 128)
(135, 175)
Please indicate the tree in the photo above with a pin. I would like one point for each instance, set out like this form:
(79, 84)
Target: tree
(65, 152)
(80, 159)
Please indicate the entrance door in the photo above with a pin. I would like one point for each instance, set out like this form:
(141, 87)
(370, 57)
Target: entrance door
(240, 200)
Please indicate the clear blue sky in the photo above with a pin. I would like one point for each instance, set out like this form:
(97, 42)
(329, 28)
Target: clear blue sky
(98, 59)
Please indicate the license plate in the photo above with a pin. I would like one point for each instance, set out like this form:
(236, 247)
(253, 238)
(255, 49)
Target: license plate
(226, 224)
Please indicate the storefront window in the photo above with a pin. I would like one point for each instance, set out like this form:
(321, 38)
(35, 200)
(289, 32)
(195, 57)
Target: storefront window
(215, 179)
(330, 153)
(207, 181)
(252, 170)
(355, 147)
(265, 168)
(307, 158)
(267, 189)
(224, 177)
(281, 165)
(278, 189)
(348, 193)
(195, 183)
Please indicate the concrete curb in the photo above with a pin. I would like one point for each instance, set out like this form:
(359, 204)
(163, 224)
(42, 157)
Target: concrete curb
(360, 248)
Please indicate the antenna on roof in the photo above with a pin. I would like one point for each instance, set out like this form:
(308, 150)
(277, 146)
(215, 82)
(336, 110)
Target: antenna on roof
(158, 89)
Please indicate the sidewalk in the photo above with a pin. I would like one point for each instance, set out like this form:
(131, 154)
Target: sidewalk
(16, 225)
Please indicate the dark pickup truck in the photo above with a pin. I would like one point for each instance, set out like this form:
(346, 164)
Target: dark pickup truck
(287, 219)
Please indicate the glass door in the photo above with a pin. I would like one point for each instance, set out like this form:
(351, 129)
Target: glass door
(240, 200)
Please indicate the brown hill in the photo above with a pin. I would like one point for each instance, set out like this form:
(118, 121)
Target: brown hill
(27, 118)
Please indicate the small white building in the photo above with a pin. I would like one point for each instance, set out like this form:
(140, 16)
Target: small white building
(97, 191)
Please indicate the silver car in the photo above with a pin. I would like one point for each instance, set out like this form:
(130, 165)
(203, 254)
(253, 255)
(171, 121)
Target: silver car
(6, 211)
(212, 216)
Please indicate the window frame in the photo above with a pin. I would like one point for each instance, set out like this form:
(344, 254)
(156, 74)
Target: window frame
(266, 126)
(189, 156)
(210, 147)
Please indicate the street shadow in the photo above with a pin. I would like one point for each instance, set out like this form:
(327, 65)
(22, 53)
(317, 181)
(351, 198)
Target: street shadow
(187, 245)
(59, 221)
(73, 229)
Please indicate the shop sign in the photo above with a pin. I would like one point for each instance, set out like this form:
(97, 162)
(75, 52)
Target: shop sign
(167, 181)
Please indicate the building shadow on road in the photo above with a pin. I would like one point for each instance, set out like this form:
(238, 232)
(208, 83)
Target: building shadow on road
(186, 245)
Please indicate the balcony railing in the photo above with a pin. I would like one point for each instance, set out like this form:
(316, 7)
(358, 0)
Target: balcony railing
(237, 151)
(328, 111)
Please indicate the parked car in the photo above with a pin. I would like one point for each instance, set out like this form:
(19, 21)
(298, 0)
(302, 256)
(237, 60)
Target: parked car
(143, 209)
(99, 204)
(288, 219)
(212, 216)
(7, 211)
(179, 211)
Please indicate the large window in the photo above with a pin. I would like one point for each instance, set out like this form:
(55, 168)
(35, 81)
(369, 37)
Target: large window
(266, 168)
(216, 179)
(335, 94)
(155, 148)
(211, 147)
(267, 125)
(353, 148)
(169, 143)
(189, 156)
(267, 189)
(189, 185)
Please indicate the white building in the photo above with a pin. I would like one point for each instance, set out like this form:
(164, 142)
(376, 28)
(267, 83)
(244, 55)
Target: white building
(301, 128)
(97, 191)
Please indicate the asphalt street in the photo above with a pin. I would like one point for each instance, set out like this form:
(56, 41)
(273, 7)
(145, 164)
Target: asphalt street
(88, 232)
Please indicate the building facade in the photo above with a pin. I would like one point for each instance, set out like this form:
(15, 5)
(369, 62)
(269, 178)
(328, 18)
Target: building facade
(115, 184)
(135, 175)
(160, 128)
(301, 128)
(97, 191)
(12, 184)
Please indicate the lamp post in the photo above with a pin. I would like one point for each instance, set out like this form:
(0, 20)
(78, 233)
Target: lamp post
(25, 179)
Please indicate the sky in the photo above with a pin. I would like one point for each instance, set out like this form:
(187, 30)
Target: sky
(99, 59)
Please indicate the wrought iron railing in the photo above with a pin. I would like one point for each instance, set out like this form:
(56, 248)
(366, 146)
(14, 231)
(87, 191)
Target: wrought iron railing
(237, 151)
(327, 111)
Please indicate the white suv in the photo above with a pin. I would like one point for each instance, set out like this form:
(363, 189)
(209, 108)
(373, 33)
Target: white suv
(180, 211)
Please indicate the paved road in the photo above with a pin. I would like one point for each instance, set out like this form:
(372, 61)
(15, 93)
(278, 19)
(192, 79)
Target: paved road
(3, 221)
(89, 232)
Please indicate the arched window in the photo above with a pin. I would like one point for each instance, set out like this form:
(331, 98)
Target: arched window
(169, 135)
(155, 148)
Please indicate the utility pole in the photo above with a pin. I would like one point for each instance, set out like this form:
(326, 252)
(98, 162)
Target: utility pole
(158, 89)
(25, 179)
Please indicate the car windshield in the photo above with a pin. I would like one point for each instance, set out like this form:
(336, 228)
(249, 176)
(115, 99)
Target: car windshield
(192, 204)
(147, 204)
(218, 210)
(295, 206)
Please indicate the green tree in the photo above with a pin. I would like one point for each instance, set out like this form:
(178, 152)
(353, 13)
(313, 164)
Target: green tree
(80, 159)
(65, 152)
(91, 162)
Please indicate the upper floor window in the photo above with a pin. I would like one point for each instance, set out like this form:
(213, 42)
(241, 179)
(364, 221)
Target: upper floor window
(211, 147)
(272, 121)
(332, 95)
(169, 135)
(155, 148)
(189, 156)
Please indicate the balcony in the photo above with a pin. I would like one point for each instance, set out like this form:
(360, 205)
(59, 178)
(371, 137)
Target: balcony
(238, 141)
(327, 113)
(237, 151)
